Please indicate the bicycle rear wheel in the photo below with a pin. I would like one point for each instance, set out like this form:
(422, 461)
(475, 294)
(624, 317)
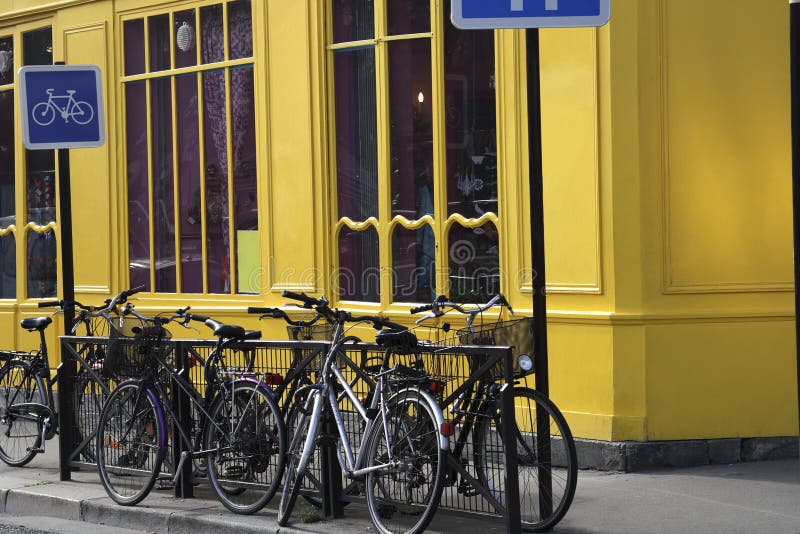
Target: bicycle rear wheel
(131, 442)
(248, 438)
(19, 434)
(402, 498)
(546, 458)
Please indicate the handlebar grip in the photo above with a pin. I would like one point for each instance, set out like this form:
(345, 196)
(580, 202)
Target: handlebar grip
(262, 311)
(302, 297)
(134, 290)
(418, 309)
(201, 318)
(51, 304)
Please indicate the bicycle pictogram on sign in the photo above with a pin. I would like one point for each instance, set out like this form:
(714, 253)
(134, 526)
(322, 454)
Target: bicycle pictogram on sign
(44, 113)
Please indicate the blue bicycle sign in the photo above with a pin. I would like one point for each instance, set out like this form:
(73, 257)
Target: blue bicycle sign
(44, 113)
(62, 106)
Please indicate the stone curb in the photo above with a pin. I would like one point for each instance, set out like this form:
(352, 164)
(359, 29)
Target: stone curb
(630, 456)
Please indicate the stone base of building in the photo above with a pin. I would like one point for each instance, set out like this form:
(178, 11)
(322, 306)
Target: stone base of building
(631, 456)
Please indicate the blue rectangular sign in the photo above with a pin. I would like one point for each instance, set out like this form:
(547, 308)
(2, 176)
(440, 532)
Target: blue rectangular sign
(61, 106)
(495, 14)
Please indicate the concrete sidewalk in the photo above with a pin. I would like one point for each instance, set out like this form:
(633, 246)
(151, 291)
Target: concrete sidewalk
(751, 498)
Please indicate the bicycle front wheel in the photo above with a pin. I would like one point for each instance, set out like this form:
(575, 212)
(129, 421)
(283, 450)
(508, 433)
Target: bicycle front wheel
(403, 496)
(247, 438)
(19, 433)
(546, 458)
(131, 442)
(295, 468)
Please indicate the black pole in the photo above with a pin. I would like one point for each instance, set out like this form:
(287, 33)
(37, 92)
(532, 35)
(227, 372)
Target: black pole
(537, 262)
(65, 225)
(794, 16)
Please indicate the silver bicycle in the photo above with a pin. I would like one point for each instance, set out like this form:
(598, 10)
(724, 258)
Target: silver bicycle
(401, 454)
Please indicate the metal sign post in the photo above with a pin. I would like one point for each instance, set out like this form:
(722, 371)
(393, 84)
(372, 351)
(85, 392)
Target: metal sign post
(794, 16)
(532, 14)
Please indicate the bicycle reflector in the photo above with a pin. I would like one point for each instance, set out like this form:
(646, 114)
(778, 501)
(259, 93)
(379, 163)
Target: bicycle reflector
(447, 429)
(273, 379)
(525, 362)
(191, 361)
(435, 386)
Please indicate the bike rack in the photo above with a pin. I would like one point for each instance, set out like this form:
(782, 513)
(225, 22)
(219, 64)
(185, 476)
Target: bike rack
(276, 357)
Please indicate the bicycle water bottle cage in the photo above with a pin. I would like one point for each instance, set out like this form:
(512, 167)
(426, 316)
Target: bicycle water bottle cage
(35, 323)
(400, 341)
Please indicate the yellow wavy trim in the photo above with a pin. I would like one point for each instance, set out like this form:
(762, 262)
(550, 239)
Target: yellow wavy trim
(399, 220)
(41, 229)
(11, 229)
(350, 223)
(470, 223)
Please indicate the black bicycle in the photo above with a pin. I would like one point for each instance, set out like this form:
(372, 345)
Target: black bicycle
(240, 434)
(547, 460)
(28, 415)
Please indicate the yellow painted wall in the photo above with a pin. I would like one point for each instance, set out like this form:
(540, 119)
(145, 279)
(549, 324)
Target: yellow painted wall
(667, 200)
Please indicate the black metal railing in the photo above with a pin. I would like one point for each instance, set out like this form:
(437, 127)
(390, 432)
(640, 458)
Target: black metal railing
(454, 371)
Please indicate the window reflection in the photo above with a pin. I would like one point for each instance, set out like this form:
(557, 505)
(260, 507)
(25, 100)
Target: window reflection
(414, 264)
(41, 264)
(8, 267)
(359, 265)
(474, 263)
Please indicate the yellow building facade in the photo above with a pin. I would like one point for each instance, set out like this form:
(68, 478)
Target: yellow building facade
(667, 175)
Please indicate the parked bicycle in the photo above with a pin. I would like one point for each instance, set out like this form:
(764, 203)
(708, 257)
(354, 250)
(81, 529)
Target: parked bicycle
(400, 456)
(28, 416)
(239, 433)
(547, 460)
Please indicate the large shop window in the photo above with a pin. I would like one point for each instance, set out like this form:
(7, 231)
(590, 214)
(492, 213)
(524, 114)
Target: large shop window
(191, 150)
(36, 235)
(418, 201)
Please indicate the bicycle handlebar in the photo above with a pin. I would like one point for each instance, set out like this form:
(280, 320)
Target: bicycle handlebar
(442, 301)
(307, 301)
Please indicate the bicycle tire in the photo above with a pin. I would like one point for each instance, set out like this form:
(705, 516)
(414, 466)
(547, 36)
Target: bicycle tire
(132, 421)
(295, 471)
(246, 476)
(412, 435)
(19, 384)
(489, 457)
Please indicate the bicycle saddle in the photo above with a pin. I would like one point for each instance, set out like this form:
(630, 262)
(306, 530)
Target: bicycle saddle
(232, 331)
(35, 323)
(398, 340)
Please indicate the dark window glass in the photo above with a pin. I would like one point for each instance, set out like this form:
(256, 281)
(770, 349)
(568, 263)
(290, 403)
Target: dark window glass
(353, 20)
(185, 39)
(159, 41)
(189, 176)
(359, 265)
(138, 208)
(216, 159)
(356, 133)
(134, 47)
(37, 47)
(8, 267)
(411, 127)
(474, 265)
(470, 126)
(211, 35)
(240, 29)
(7, 164)
(41, 265)
(409, 16)
(414, 264)
(163, 184)
(40, 191)
(245, 180)
(6, 60)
